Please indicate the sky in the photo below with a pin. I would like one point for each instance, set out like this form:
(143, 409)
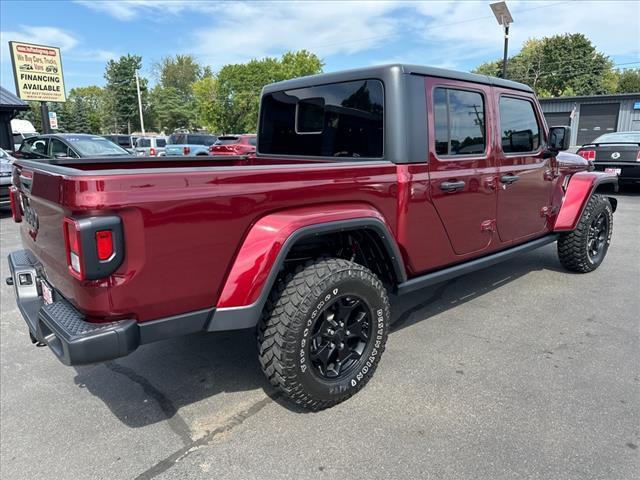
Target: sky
(345, 34)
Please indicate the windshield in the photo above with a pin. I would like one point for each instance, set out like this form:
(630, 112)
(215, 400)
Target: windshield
(633, 137)
(5, 157)
(95, 147)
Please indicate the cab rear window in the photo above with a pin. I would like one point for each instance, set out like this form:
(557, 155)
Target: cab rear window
(343, 119)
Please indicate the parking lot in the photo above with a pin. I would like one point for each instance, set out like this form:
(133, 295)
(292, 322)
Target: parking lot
(519, 371)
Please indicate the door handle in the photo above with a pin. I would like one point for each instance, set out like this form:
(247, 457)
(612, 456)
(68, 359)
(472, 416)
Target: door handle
(509, 179)
(452, 186)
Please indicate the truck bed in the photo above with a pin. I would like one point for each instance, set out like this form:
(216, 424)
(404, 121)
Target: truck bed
(183, 220)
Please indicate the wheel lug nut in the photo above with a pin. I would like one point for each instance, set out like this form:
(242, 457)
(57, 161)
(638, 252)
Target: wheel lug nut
(341, 346)
(330, 332)
(342, 324)
(348, 332)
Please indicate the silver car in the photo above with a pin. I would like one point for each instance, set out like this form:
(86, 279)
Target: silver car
(6, 161)
(150, 146)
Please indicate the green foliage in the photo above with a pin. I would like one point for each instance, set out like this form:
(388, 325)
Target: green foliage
(179, 73)
(629, 81)
(122, 94)
(237, 93)
(169, 109)
(560, 65)
(204, 92)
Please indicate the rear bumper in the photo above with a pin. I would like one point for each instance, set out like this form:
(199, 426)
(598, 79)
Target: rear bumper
(629, 172)
(76, 341)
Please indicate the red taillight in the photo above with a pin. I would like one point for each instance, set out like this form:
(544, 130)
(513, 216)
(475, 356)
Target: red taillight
(74, 248)
(588, 154)
(638, 156)
(186, 150)
(16, 211)
(104, 244)
(152, 152)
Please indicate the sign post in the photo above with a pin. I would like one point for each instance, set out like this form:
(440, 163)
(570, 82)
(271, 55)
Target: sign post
(37, 70)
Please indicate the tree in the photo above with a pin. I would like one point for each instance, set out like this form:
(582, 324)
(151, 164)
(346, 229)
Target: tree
(179, 72)
(204, 92)
(237, 89)
(169, 110)
(566, 64)
(629, 81)
(122, 94)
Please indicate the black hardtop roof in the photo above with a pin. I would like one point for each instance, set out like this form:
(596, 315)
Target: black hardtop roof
(382, 71)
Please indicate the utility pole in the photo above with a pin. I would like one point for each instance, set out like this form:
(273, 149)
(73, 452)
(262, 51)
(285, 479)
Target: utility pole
(140, 104)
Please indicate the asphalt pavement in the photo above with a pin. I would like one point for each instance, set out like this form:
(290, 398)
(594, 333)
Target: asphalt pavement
(522, 370)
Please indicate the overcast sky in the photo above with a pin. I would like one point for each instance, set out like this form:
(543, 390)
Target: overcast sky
(458, 35)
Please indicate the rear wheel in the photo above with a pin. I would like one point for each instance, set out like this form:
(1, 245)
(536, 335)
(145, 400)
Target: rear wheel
(584, 249)
(323, 332)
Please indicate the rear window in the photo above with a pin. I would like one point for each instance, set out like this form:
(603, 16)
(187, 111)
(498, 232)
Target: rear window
(336, 120)
(227, 140)
(201, 139)
(144, 142)
(633, 137)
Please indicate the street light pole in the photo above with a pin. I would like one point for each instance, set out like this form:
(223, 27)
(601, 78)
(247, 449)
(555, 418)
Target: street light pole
(505, 19)
(506, 48)
(140, 104)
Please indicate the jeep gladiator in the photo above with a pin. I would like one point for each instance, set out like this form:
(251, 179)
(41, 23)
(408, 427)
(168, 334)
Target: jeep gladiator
(366, 183)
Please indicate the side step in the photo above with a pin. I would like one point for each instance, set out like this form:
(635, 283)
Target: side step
(473, 265)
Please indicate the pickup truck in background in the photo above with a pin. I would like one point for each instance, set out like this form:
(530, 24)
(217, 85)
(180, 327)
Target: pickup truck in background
(366, 182)
(189, 144)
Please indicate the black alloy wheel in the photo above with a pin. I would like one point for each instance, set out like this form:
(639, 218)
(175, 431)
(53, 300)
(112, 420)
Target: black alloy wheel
(340, 336)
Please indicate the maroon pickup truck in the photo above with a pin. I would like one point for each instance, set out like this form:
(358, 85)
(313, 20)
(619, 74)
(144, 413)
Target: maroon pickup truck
(365, 183)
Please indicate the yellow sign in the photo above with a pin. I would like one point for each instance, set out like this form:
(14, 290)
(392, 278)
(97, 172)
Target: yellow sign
(37, 70)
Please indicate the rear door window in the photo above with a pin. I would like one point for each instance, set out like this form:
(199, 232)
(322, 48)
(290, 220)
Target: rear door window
(458, 117)
(161, 142)
(519, 127)
(343, 119)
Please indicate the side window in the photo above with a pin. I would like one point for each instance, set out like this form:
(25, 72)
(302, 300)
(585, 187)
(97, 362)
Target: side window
(344, 119)
(519, 128)
(57, 148)
(35, 146)
(458, 117)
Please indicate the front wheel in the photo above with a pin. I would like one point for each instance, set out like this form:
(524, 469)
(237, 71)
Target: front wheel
(323, 332)
(584, 249)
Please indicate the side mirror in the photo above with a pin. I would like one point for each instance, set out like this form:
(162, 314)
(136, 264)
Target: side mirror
(559, 138)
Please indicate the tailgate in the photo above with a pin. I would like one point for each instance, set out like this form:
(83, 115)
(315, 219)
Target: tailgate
(174, 150)
(41, 229)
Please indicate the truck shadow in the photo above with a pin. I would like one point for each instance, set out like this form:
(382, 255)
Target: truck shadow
(152, 384)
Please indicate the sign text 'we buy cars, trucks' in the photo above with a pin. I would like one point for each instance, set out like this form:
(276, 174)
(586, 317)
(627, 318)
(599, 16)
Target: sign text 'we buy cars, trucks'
(37, 70)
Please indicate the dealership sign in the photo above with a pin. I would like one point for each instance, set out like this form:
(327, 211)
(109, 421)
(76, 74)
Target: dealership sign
(37, 70)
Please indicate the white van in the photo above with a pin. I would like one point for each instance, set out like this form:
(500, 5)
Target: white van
(21, 129)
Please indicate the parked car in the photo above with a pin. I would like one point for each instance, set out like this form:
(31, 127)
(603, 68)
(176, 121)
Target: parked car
(151, 146)
(189, 144)
(21, 129)
(234, 145)
(617, 153)
(69, 145)
(366, 182)
(127, 142)
(6, 162)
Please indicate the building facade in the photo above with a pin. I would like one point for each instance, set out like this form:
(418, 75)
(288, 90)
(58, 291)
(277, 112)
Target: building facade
(589, 117)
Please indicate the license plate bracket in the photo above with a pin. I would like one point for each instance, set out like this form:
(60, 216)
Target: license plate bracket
(617, 171)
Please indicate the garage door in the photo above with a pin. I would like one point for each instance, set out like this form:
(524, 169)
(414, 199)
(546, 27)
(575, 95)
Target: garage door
(596, 120)
(558, 119)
